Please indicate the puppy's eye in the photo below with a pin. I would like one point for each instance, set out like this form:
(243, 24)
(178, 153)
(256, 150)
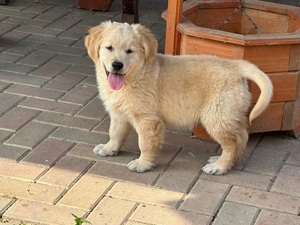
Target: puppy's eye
(128, 51)
(109, 48)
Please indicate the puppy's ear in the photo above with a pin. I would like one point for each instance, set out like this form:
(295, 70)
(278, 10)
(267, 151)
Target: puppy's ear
(92, 41)
(148, 41)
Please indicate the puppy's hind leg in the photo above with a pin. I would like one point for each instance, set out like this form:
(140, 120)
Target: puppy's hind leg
(233, 139)
(150, 132)
(118, 130)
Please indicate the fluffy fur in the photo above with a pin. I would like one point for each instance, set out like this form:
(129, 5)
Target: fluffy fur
(176, 92)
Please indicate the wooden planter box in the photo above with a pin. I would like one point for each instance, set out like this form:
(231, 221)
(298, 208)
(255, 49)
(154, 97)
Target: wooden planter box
(276, 51)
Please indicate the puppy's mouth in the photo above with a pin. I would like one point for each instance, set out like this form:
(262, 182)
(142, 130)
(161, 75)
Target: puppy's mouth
(115, 80)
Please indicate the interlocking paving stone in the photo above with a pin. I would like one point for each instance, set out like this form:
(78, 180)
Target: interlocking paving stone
(93, 110)
(31, 135)
(179, 176)
(235, 214)
(48, 105)
(4, 85)
(4, 134)
(65, 171)
(50, 214)
(22, 79)
(89, 23)
(48, 152)
(264, 199)
(80, 136)
(265, 161)
(52, 14)
(12, 152)
(50, 40)
(240, 178)
(150, 214)
(66, 120)
(293, 159)
(90, 15)
(26, 22)
(13, 37)
(64, 23)
(38, 8)
(252, 143)
(11, 67)
(5, 203)
(90, 81)
(65, 81)
(94, 188)
(34, 91)
(288, 181)
(111, 211)
(150, 195)
(16, 118)
(121, 172)
(80, 94)
(64, 49)
(104, 126)
(9, 58)
(5, 27)
(205, 197)
(79, 44)
(7, 101)
(23, 47)
(86, 70)
(37, 58)
(6, 11)
(38, 30)
(75, 32)
(267, 217)
(19, 171)
(280, 144)
(51, 69)
(74, 60)
(86, 151)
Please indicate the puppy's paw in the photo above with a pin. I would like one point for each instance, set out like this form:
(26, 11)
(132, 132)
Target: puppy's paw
(100, 150)
(139, 165)
(213, 159)
(213, 168)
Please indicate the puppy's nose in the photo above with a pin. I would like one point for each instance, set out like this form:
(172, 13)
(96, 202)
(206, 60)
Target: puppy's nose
(117, 66)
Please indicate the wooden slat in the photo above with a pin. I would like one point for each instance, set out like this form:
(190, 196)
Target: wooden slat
(268, 6)
(296, 115)
(294, 63)
(288, 113)
(284, 85)
(172, 35)
(270, 119)
(269, 58)
(214, 18)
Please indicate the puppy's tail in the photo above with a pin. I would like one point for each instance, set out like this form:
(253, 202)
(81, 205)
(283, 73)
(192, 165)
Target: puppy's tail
(264, 83)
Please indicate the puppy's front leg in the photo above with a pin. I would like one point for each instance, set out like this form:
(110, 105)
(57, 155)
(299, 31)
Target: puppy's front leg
(150, 134)
(118, 130)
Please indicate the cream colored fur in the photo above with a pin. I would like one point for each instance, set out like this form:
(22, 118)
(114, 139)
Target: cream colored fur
(176, 92)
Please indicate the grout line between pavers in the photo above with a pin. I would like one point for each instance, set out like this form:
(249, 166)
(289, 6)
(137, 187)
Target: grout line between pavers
(13, 200)
(132, 211)
(13, 106)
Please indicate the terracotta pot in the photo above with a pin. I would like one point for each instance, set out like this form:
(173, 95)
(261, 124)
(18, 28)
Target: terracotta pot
(276, 51)
(102, 5)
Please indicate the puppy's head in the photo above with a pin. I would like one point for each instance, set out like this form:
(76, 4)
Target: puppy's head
(120, 49)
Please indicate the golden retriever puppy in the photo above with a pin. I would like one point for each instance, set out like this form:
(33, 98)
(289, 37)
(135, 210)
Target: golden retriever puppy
(150, 92)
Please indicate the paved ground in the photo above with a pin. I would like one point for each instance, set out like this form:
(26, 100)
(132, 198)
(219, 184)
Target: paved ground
(51, 118)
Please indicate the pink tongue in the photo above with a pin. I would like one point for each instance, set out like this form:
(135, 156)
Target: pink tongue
(116, 80)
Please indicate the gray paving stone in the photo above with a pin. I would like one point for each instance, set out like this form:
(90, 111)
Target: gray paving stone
(80, 136)
(89, 23)
(80, 94)
(12, 37)
(267, 217)
(26, 22)
(16, 13)
(22, 79)
(180, 176)
(9, 58)
(86, 70)
(79, 44)
(205, 197)
(23, 48)
(52, 14)
(93, 110)
(15, 68)
(64, 49)
(88, 15)
(2, 17)
(64, 23)
(38, 30)
(37, 58)
(38, 8)
(74, 60)
(32, 134)
(90, 81)
(65, 81)
(12, 152)
(75, 32)
(50, 40)
(235, 214)
(5, 27)
(265, 161)
(4, 85)
(290, 145)
(4, 134)
(7, 101)
(51, 69)
(158, 29)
